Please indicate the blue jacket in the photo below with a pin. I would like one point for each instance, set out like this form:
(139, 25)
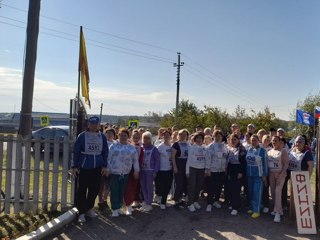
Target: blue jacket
(90, 151)
(256, 162)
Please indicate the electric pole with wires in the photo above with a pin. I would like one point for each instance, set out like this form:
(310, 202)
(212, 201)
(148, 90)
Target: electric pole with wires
(177, 65)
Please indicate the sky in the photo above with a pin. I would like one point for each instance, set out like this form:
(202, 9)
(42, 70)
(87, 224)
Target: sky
(252, 53)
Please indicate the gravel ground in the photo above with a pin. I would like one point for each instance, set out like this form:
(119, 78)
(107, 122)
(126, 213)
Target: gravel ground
(181, 224)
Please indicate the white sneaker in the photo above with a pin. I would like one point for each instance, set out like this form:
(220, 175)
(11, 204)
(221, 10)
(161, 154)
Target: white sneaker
(273, 213)
(197, 205)
(115, 213)
(91, 214)
(147, 208)
(121, 212)
(81, 218)
(129, 211)
(217, 204)
(265, 210)
(234, 212)
(135, 204)
(209, 208)
(277, 218)
(162, 207)
(191, 208)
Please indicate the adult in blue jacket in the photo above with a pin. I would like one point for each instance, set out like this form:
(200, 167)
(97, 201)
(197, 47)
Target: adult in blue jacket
(257, 172)
(90, 155)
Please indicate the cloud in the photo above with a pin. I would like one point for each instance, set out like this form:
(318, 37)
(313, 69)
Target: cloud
(54, 96)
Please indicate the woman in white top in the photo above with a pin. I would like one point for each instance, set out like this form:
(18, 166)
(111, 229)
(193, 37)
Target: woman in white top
(216, 169)
(195, 170)
(163, 180)
(278, 162)
(121, 157)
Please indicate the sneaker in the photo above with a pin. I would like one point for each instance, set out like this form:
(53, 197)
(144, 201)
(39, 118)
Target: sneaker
(265, 210)
(273, 213)
(234, 212)
(121, 212)
(115, 213)
(81, 218)
(129, 211)
(191, 208)
(147, 208)
(277, 218)
(217, 204)
(209, 208)
(197, 205)
(135, 204)
(91, 214)
(255, 215)
(250, 212)
(163, 207)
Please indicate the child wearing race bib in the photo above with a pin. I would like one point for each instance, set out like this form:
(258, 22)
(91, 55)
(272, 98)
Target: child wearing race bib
(150, 167)
(195, 170)
(256, 173)
(277, 165)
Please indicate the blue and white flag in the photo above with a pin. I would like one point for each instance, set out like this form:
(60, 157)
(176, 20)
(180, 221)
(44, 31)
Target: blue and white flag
(304, 118)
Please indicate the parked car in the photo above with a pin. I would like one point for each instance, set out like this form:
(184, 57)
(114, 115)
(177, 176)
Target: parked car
(51, 133)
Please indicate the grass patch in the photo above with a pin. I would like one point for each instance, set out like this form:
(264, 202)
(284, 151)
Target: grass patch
(16, 225)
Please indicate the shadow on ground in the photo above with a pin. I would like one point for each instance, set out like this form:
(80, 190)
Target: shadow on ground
(181, 224)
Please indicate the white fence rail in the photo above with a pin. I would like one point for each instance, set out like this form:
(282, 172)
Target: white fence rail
(34, 174)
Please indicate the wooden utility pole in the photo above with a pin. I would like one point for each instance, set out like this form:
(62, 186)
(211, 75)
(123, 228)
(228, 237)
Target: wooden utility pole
(177, 65)
(29, 67)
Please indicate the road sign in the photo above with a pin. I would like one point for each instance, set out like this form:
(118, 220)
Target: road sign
(133, 123)
(44, 121)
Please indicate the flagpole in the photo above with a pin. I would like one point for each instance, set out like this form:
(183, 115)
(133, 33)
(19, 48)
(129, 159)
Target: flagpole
(79, 69)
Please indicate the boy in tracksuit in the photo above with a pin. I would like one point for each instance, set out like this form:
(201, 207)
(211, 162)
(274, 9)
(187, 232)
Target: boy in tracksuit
(256, 173)
(89, 163)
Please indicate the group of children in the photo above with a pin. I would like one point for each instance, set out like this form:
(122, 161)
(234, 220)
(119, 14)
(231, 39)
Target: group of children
(205, 163)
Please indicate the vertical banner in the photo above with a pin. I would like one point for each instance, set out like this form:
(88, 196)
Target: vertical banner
(306, 223)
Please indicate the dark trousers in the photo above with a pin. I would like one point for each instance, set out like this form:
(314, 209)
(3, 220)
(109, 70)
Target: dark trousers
(89, 182)
(234, 189)
(195, 182)
(217, 180)
(265, 194)
(180, 179)
(163, 182)
(244, 184)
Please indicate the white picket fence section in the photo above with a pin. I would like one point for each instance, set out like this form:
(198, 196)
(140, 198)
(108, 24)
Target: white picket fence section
(34, 174)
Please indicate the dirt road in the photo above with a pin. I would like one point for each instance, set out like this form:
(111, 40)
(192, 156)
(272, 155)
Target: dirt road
(181, 224)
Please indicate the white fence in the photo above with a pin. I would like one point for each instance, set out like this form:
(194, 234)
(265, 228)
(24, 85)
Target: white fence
(34, 174)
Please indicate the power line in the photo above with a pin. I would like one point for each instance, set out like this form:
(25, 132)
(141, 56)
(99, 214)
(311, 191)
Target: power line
(146, 55)
(215, 84)
(98, 31)
(226, 86)
(95, 41)
(222, 80)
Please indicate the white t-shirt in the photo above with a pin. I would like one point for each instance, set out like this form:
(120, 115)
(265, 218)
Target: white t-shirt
(165, 157)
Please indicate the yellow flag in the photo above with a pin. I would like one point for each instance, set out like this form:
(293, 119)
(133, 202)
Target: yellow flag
(84, 70)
